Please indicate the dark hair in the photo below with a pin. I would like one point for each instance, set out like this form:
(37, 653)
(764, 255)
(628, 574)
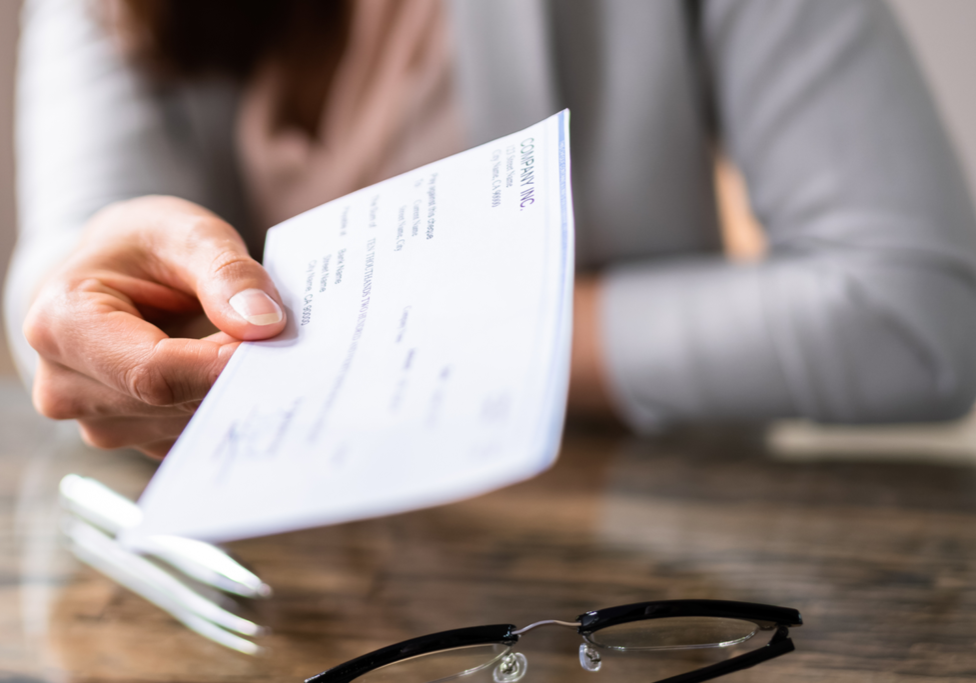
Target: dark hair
(187, 39)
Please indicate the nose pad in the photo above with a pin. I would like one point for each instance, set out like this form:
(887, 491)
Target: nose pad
(590, 659)
(512, 667)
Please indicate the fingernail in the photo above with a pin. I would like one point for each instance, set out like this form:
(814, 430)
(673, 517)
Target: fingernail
(256, 307)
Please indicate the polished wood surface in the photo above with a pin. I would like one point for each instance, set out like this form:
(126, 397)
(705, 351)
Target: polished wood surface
(879, 557)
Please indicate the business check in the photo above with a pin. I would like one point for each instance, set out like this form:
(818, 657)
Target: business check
(425, 359)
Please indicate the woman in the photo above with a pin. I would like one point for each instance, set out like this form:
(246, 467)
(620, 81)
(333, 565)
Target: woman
(864, 309)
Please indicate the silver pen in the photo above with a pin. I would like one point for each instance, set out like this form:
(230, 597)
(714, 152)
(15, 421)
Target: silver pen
(104, 508)
(98, 549)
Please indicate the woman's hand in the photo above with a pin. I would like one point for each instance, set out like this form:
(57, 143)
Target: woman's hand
(145, 267)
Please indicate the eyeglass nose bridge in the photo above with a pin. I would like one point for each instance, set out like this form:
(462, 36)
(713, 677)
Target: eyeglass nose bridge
(589, 658)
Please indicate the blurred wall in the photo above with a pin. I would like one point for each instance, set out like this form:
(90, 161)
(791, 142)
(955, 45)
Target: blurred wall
(939, 29)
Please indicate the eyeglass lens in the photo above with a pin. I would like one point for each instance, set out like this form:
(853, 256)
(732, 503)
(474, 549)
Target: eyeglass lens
(675, 633)
(444, 665)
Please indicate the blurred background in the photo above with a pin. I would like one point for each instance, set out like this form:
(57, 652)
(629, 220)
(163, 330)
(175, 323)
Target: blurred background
(940, 31)
(9, 10)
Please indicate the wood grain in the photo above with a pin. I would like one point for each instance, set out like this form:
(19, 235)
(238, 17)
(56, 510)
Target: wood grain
(878, 557)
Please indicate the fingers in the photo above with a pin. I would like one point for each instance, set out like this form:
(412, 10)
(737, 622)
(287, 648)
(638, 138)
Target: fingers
(104, 362)
(62, 394)
(223, 339)
(153, 436)
(158, 450)
(206, 255)
(95, 331)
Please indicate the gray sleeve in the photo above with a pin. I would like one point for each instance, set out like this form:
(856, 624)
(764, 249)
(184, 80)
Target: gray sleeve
(88, 133)
(865, 309)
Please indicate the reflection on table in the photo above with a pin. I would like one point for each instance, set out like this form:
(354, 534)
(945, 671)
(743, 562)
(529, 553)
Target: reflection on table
(879, 557)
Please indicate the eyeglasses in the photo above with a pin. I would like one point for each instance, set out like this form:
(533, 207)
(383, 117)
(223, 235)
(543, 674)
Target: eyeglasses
(642, 627)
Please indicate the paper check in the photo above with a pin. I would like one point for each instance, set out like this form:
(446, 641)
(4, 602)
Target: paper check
(426, 357)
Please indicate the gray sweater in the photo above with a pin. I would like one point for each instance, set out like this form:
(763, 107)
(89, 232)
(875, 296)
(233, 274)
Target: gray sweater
(864, 310)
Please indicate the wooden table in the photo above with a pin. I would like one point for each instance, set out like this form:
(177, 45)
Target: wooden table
(879, 558)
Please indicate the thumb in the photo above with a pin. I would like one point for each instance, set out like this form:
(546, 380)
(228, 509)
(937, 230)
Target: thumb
(236, 292)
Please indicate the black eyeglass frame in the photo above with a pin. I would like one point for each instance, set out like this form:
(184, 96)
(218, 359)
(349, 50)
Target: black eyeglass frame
(767, 617)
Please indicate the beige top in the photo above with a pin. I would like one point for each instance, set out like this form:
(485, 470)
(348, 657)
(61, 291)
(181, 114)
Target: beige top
(392, 108)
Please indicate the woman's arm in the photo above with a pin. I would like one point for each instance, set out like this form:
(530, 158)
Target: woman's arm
(103, 270)
(90, 132)
(99, 323)
(865, 308)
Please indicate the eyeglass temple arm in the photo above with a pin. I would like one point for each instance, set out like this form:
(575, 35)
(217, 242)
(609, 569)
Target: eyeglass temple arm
(780, 644)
